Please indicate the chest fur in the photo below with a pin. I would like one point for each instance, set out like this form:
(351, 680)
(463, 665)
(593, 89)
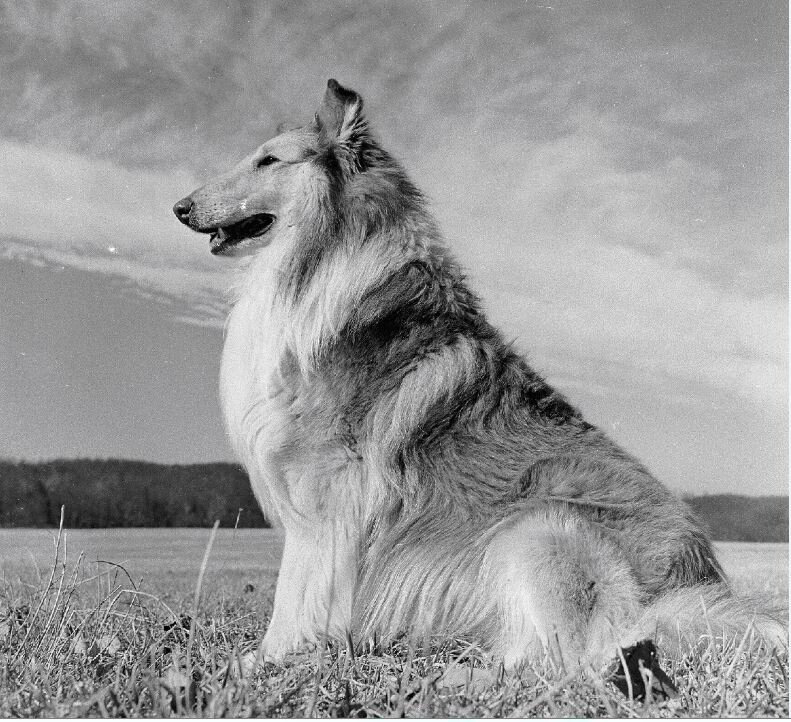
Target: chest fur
(255, 404)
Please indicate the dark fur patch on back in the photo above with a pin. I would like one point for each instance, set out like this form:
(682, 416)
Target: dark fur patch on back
(414, 314)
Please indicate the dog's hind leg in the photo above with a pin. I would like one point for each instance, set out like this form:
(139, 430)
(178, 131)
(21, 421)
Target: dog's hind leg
(561, 587)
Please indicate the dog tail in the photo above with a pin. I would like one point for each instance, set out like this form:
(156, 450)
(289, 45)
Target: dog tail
(687, 618)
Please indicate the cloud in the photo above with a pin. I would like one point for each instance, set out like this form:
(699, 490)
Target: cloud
(593, 265)
(85, 202)
(632, 312)
(91, 214)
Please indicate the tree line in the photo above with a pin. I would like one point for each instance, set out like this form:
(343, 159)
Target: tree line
(119, 493)
(730, 517)
(113, 493)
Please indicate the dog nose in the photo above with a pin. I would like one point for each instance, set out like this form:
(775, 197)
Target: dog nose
(182, 210)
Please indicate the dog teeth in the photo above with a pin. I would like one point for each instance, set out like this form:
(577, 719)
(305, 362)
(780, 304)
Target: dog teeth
(217, 238)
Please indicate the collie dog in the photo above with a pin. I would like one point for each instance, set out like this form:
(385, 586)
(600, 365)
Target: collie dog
(428, 480)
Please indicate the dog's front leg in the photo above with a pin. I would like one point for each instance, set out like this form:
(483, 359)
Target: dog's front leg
(315, 589)
(285, 631)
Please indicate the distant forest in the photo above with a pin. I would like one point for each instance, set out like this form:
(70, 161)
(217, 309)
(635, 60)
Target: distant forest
(743, 518)
(115, 493)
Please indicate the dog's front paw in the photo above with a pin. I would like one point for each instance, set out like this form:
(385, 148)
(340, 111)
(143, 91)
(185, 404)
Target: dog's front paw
(276, 647)
(278, 653)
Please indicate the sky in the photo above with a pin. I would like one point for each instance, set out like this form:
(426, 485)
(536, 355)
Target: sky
(613, 175)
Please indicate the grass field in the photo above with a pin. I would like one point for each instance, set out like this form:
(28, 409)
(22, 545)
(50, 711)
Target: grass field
(113, 629)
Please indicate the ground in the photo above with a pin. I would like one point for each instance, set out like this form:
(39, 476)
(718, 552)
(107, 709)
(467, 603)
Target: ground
(123, 625)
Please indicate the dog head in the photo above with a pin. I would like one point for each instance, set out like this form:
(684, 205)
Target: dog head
(242, 209)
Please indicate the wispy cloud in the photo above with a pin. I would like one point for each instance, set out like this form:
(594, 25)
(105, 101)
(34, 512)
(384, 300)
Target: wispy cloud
(94, 215)
(656, 323)
(591, 263)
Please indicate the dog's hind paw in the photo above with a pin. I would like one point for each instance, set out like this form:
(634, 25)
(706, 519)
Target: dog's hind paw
(643, 677)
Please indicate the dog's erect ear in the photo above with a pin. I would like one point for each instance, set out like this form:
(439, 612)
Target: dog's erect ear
(342, 125)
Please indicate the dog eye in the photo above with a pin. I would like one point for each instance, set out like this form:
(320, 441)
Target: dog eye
(266, 160)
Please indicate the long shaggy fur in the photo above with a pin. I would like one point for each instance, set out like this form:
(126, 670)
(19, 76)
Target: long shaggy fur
(428, 480)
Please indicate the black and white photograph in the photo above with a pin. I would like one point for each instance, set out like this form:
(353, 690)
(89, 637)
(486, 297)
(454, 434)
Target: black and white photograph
(394, 358)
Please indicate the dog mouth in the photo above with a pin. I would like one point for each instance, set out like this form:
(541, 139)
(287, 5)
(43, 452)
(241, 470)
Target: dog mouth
(226, 236)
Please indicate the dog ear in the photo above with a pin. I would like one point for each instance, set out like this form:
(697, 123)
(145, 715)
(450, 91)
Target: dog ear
(341, 124)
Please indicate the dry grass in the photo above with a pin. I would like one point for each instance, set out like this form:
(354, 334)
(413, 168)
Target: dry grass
(80, 645)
